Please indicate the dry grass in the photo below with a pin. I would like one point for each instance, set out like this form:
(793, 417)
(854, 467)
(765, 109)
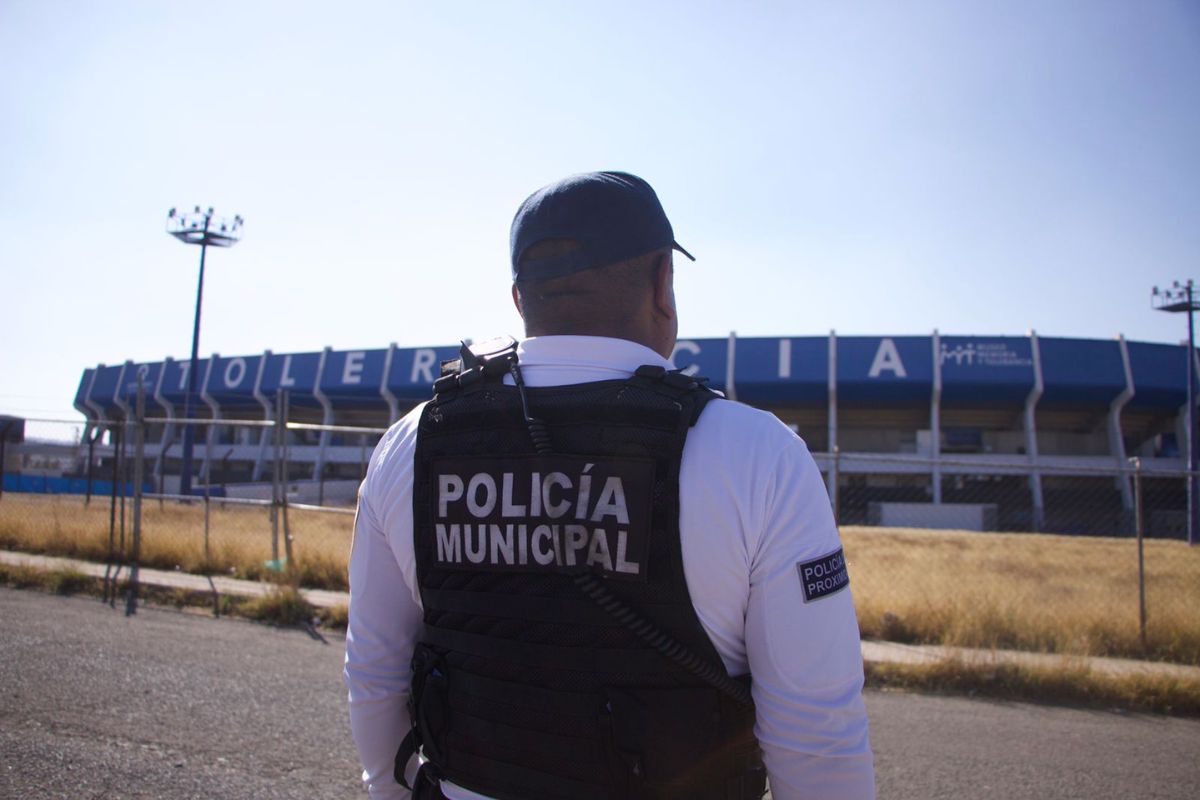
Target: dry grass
(58, 581)
(1062, 685)
(173, 537)
(283, 605)
(1058, 594)
(336, 617)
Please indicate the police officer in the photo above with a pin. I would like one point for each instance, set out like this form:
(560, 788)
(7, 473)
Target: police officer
(577, 573)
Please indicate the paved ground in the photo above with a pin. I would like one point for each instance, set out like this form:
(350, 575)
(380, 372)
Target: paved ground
(94, 704)
(872, 651)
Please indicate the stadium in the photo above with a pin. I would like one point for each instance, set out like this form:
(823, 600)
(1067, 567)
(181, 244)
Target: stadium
(986, 432)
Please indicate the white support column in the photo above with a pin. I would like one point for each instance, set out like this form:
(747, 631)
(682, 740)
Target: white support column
(168, 433)
(118, 400)
(264, 437)
(385, 390)
(96, 408)
(935, 420)
(81, 404)
(1031, 444)
(831, 476)
(99, 418)
(326, 419)
(83, 408)
(210, 436)
(1116, 439)
(730, 367)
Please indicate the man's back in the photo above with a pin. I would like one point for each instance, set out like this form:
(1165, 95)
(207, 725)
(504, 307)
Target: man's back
(752, 508)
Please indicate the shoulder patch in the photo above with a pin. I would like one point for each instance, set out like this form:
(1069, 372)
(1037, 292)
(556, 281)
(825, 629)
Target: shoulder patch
(823, 576)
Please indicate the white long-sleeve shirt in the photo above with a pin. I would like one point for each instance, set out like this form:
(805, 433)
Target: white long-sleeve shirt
(753, 508)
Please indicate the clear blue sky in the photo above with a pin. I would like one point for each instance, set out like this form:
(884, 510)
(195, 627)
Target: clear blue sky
(871, 167)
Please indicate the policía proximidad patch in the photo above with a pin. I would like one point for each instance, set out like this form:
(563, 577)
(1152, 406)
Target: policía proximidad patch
(823, 576)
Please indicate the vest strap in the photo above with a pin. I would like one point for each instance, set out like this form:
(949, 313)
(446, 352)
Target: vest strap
(674, 383)
(408, 748)
(428, 785)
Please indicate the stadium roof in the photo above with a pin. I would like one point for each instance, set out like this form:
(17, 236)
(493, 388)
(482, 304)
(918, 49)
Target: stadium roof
(889, 371)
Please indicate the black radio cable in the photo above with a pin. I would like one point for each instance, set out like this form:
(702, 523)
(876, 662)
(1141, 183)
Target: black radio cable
(661, 641)
(537, 428)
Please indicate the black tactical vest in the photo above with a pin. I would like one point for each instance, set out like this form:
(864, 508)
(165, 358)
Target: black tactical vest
(561, 656)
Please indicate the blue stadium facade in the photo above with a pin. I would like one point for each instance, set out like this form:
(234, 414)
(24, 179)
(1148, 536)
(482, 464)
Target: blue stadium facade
(906, 417)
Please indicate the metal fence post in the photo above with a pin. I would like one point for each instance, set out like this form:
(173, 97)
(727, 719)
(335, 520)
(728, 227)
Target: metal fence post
(287, 530)
(123, 472)
(1139, 523)
(207, 507)
(836, 483)
(115, 557)
(321, 484)
(276, 461)
(139, 457)
(91, 456)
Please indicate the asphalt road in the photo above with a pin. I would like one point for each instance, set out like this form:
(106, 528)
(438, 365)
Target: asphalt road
(170, 705)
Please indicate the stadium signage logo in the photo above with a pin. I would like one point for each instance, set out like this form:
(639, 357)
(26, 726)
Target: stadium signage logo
(984, 354)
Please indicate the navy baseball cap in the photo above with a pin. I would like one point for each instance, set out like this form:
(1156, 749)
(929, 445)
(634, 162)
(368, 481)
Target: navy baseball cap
(610, 216)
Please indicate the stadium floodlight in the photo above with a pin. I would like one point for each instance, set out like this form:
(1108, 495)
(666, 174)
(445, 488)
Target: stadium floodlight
(205, 229)
(1177, 299)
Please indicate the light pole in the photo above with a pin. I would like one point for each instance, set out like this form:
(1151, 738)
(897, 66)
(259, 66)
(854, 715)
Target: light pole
(1175, 299)
(202, 228)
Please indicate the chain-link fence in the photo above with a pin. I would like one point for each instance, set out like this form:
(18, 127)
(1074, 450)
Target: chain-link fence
(267, 503)
(1062, 557)
(1067, 557)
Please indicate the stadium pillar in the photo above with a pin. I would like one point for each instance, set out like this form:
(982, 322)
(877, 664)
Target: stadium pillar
(1037, 498)
(833, 477)
(1193, 439)
(935, 421)
(202, 228)
(1175, 299)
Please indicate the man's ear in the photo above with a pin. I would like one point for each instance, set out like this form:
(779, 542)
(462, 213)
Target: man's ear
(516, 296)
(664, 287)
